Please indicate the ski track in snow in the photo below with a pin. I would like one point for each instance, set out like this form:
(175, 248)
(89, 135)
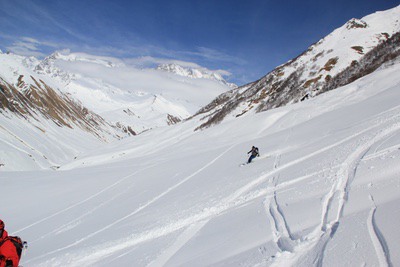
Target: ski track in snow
(377, 238)
(72, 224)
(277, 169)
(383, 152)
(135, 211)
(207, 214)
(169, 252)
(82, 201)
(310, 252)
(281, 232)
(318, 238)
(179, 243)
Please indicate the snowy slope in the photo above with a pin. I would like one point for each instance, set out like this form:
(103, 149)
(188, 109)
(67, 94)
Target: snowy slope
(324, 191)
(357, 48)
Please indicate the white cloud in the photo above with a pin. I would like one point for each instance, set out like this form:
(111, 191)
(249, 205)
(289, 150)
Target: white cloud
(215, 55)
(25, 48)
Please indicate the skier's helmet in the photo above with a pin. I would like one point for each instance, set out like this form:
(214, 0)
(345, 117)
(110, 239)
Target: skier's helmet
(1, 225)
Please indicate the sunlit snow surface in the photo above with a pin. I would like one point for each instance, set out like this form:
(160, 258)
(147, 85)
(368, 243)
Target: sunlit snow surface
(324, 192)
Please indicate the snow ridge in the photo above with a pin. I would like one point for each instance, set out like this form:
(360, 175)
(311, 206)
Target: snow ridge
(348, 53)
(195, 73)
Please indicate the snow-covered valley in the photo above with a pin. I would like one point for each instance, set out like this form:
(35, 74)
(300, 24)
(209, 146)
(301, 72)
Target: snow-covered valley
(324, 192)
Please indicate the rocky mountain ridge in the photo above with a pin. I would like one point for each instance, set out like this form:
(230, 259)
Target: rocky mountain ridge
(350, 52)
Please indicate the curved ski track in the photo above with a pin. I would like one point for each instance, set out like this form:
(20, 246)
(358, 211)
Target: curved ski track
(377, 238)
(310, 251)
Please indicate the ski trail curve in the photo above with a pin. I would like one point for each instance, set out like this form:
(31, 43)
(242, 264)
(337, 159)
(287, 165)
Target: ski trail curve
(377, 238)
(281, 233)
(311, 251)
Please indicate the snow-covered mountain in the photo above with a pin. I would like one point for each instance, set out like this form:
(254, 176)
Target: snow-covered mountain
(40, 126)
(195, 73)
(72, 95)
(324, 192)
(348, 53)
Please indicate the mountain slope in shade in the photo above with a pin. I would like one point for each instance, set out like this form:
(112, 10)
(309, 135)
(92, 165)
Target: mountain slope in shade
(351, 51)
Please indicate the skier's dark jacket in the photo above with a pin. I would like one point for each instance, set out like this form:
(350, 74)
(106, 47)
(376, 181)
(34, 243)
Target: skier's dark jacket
(254, 151)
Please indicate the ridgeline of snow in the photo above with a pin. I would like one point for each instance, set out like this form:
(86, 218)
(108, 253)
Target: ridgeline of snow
(324, 192)
(346, 44)
(195, 73)
(351, 51)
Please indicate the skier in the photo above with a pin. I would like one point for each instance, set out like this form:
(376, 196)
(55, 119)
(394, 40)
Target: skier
(254, 153)
(10, 248)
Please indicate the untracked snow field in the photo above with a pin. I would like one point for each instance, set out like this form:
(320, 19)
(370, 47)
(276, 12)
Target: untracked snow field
(324, 192)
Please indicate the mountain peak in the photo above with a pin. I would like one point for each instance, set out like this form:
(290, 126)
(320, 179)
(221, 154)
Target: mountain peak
(356, 24)
(352, 51)
(194, 73)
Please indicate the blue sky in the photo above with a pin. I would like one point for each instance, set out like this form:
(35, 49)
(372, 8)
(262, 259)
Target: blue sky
(247, 38)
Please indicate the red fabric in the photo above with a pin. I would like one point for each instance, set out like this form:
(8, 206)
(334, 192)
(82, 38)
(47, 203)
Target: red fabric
(8, 252)
(4, 235)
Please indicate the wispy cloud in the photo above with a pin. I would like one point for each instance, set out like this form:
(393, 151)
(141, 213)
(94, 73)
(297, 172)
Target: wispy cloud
(27, 46)
(198, 53)
(215, 55)
(38, 18)
(149, 61)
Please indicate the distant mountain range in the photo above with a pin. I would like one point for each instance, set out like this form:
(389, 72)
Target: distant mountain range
(195, 73)
(134, 99)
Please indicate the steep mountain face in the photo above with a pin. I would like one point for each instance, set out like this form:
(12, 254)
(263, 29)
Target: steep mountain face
(195, 73)
(33, 108)
(74, 102)
(27, 95)
(348, 53)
